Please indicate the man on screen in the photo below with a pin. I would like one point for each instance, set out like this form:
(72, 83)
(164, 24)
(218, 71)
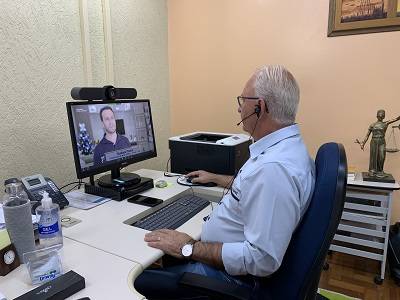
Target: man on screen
(112, 140)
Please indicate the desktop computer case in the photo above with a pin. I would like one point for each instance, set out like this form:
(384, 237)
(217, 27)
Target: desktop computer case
(219, 153)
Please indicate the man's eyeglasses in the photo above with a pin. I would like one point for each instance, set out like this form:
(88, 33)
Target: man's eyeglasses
(241, 99)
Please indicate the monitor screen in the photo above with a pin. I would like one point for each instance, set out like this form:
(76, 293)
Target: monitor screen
(110, 134)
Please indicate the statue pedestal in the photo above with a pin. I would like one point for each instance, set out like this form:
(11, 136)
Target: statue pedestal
(387, 179)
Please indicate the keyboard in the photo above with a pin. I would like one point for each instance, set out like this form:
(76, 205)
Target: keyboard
(173, 214)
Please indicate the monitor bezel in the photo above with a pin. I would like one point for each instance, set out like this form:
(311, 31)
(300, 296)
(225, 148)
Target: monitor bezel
(83, 174)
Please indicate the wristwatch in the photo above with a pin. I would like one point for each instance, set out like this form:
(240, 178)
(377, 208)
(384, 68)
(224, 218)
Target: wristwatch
(187, 249)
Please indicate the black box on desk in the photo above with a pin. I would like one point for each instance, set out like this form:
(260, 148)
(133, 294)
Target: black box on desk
(120, 193)
(219, 153)
(60, 288)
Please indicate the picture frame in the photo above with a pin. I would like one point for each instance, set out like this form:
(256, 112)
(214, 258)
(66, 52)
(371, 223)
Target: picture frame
(348, 17)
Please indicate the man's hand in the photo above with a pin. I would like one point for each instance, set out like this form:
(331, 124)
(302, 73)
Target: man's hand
(202, 176)
(169, 241)
(205, 177)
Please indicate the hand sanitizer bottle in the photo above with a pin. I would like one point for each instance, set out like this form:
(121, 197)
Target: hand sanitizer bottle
(48, 215)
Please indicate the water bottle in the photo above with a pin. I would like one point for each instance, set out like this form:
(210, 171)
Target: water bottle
(18, 218)
(48, 214)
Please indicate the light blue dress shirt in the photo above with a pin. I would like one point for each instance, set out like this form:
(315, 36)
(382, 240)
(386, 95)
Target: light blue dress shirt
(256, 218)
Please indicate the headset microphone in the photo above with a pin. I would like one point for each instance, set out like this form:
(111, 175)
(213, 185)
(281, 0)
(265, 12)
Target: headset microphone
(256, 112)
(246, 118)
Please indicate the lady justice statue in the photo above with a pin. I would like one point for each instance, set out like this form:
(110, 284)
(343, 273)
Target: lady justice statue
(377, 149)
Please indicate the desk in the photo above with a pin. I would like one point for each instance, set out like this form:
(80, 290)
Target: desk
(102, 227)
(107, 252)
(364, 226)
(107, 276)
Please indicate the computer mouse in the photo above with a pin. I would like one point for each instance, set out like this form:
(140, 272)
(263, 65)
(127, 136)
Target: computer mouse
(161, 184)
(190, 178)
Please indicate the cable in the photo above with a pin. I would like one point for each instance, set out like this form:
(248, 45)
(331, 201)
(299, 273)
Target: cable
(228, 186)
(80, 183)
(191, 188)
(166, 173)
(75, 186)
(68, 184)
(255, 125)
(169, 159)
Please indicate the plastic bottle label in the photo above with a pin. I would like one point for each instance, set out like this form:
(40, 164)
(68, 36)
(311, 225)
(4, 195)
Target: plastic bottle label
(48, 229)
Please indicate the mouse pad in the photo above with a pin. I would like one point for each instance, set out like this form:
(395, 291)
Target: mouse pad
(183, 180)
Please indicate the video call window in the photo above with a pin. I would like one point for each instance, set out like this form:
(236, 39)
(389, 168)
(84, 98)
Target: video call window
(112, 132)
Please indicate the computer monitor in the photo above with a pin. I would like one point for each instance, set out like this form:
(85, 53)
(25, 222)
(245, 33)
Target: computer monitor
(109, 135)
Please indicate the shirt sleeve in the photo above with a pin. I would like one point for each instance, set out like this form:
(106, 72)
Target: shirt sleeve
(270, 205)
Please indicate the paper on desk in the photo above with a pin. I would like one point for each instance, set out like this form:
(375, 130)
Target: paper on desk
(3, 222)
(82, 200)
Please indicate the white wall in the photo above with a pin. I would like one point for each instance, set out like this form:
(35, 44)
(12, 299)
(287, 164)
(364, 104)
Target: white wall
(41, 59)
(140, 48)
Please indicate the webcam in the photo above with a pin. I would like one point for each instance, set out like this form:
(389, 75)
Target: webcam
(107, 92)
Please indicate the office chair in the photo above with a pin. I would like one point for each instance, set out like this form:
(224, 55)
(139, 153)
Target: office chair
(299, 273)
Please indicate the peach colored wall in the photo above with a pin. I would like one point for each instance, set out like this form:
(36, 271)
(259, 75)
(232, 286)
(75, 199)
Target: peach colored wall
(214, 46)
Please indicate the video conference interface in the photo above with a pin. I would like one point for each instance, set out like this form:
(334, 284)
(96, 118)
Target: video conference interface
(108, 133)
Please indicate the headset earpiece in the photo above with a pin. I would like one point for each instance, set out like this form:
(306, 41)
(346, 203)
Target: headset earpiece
(257, 110)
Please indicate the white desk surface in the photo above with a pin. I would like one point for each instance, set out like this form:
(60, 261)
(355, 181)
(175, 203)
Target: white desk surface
(107, 252)
(106, 276)
(102, 227)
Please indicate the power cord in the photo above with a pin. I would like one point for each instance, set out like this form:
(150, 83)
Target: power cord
(74, 187)
(78, 185)
(166, 172)
(68, 184)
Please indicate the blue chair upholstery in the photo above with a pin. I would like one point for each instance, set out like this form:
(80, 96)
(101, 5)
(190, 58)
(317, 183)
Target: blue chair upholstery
(299, 273)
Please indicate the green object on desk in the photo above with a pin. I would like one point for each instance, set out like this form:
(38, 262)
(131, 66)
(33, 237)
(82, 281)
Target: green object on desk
(4, 239)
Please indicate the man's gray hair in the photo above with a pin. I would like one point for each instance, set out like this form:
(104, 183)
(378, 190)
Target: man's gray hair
(277, 86)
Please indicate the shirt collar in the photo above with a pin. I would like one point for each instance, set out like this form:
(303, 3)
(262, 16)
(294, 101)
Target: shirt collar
(273, 138)
(105, 141)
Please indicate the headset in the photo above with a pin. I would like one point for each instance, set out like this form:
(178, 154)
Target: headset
(257, 111)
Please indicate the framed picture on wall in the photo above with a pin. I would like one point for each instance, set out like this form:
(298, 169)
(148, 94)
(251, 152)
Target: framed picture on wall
(363, 16)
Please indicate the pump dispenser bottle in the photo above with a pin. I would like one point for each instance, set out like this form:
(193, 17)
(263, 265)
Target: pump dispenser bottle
(48, 214)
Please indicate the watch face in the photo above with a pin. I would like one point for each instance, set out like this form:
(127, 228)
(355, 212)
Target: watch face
(9, 257)
(187, 250)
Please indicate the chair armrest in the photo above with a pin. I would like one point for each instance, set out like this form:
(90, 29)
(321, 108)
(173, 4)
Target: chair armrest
(214, 288)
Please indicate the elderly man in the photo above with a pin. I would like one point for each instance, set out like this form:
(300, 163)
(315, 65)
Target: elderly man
(246, 236)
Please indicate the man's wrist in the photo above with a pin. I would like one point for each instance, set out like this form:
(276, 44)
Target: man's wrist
(187, 249)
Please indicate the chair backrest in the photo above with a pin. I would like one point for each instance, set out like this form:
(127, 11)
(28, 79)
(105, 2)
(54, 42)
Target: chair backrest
(298, 275)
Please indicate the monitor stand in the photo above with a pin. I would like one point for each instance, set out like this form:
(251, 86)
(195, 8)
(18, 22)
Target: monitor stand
(117, 179)
(118, 186)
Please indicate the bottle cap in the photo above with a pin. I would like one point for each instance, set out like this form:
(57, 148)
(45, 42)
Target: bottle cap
(46, 201)
(14, 188)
